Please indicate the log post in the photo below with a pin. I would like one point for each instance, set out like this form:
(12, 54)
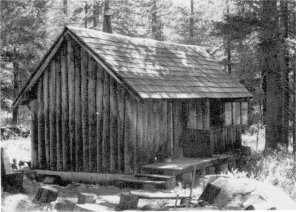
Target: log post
(84, 98)
(46, 117)
(52, 111)
(34, 134)
(71, 86)
(41, 139)
(99, 115)
(128, 154)
(120, 142)
(113, 126)
(92, 142)
(65, 109)
(59, 114)
(78, 137)
(106, 124)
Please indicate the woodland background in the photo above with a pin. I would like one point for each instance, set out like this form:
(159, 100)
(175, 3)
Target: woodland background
(255, 41)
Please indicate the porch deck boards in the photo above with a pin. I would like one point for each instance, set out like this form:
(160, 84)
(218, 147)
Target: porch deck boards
(183, 165)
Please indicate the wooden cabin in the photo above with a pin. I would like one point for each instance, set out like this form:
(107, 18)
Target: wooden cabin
(108, 103)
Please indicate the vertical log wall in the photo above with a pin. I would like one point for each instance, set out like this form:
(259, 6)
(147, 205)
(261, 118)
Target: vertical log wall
(84, 120)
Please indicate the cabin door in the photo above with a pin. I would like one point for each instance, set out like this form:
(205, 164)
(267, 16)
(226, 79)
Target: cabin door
(196, 136)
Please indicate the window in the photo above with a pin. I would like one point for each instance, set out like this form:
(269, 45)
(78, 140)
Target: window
(198, 115)
(236, 106)
(228, 114)
(244, 112)
(235, 113)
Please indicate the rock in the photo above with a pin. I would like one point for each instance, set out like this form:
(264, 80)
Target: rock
(86, 198)
(128, 201)
(146, 208)
(209, 194)
(46, 194)
(211, 178)
(240, 193)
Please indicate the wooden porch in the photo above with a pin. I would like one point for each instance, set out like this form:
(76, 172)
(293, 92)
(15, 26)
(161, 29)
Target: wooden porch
(180, 166)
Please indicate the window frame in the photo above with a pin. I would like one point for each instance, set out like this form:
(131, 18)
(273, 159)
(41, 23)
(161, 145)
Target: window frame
(231, 118)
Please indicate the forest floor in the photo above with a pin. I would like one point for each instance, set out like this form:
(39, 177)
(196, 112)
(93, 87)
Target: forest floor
(108, 196)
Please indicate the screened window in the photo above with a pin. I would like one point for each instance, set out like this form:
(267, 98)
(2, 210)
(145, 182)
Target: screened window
(236, 109)
(228, 113)
(198, 116)
(244, 112)
(235, 113)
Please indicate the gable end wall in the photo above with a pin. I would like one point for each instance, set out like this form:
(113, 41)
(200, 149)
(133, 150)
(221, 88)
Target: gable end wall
(83, 120)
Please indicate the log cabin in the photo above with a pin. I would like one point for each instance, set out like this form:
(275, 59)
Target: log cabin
(106, 103)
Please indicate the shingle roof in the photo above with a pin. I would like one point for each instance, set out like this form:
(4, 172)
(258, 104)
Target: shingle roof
(157, 69)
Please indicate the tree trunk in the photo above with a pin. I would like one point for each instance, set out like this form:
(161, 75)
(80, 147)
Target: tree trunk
(15, 90)
(294, 110)
(156, 24)
(191, 19)
(270, 48)
(285, 73)
(65, 7)
(86, 12)
(95, 14)
(107, 26)
(228, 44)
(294, 90)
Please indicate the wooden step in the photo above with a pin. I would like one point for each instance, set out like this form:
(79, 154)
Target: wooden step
(144, 183)
(170, 180)
(160, 171)
(155, 176)
(158, 195)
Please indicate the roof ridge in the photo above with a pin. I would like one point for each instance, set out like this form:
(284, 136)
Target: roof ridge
(200, 48)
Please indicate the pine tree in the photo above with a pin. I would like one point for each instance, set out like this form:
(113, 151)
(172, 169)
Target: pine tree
(22, 38)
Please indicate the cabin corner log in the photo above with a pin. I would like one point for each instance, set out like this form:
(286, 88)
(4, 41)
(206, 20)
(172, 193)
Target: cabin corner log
(34, 134)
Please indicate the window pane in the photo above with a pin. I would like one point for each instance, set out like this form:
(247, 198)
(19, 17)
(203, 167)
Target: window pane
(197, 116)
(228, 114)
(236, 113)
(191, 118)
(244, 112)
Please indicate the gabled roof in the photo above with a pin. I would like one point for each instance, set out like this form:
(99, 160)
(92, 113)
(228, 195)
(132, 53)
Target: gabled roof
(157, 69)
(154, 69)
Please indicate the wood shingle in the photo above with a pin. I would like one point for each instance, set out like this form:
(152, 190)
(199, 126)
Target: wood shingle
(155, 69)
